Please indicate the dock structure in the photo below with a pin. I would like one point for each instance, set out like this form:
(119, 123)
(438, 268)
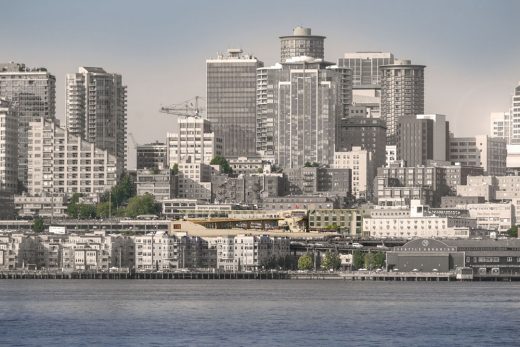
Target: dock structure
(177, 275)
(255, 275)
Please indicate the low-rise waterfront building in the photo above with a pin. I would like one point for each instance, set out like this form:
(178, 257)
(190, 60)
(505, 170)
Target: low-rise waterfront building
(484, 258)
(345, 221)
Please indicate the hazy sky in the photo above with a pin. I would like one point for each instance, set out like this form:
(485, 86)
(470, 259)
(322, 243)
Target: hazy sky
(471, 48)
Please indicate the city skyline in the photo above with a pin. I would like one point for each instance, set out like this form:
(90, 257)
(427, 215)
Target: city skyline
(470, 73)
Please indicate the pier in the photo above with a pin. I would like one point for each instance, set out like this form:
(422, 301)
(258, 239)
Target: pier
(176, 275)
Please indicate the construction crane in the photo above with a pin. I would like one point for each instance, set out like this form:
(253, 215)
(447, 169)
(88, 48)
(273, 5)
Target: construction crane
(188, 108)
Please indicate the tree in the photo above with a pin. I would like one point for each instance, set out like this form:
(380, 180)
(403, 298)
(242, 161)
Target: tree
(331, 261)
(175, 169)
(38, 225)
(374, 260)
(121, 192)
(103, 209)
(223, 163)
(72, 206)
(358, 261)
(86, 211)
(286, 262)
(513, 231)
(142, 204)
(309, 164)
(305, 262)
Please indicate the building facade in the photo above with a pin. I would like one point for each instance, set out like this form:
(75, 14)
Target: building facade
(363, 168)
(63, 163)
(301, 43)
(152, 156)
(299, 106)
(231, 101)
(402, 94)
(365, 132)
(32, 94)
(96, 110)
(501, 125)
(515, 117)
(161, 184)
(195, 142)
(414, 140)
(481, 150)
(8, 148)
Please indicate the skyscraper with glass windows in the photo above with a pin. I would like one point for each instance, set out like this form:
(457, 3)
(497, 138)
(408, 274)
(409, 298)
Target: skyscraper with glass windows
(231, 101)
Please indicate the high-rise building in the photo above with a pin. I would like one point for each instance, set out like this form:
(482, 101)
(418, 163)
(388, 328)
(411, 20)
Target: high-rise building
(8, 148)
(96, 109)
(366, 78)
(402, 94)
(300, 104)
(231, 101)
(361, 162)
(482, 150)
(32, 93)
(515, 117)
(152, 156)
(365, 132)
(193, 143)
(501, 125)
(414, 140)
(441, 135)
(301, 43)
(63, 163)
(365, 68)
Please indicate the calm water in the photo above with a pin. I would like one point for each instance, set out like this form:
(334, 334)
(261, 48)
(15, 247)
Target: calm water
(260, 313)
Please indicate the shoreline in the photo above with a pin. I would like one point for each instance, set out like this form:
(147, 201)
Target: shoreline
(254, 275)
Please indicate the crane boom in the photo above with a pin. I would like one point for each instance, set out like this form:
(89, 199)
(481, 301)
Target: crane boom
(188, 108)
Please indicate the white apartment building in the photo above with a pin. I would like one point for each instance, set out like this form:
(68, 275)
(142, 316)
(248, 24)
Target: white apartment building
(225, 253)
(8, 148)
(63, 163)
(96, 110)
(481, 150)
(363, 171)
(194, 142)
(515, 116)
(249, 252)
(156, 251)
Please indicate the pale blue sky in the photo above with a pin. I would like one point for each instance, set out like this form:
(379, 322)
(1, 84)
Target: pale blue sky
(471, 48)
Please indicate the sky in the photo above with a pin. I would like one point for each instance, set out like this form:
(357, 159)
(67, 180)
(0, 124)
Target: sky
(471, 48)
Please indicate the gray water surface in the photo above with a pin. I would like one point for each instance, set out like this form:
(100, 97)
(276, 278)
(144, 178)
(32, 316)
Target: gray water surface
(257, 313)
